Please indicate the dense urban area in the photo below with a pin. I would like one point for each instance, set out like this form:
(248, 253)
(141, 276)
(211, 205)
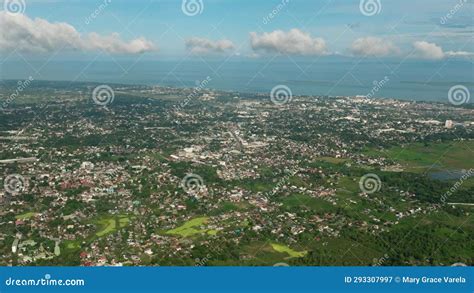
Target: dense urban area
(158, 176)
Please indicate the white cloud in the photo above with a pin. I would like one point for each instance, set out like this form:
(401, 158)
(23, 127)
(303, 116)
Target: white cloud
(459, 54)
(372, 46)
(39, 36)
(202, 46)
(432, 51)
(427, 50)
(293, 42)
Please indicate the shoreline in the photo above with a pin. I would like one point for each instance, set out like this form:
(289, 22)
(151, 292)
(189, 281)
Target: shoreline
(246, 93)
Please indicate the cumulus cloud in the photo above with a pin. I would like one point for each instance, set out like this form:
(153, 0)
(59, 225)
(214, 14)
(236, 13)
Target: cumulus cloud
(39, 36)
(202, 46)
(432, 51)
(372, 46)
(293, 42)
(428, 50)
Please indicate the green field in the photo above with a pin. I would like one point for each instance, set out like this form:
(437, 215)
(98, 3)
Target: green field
(71, 244)
(434, 156)
(301, 200)
(285, 249)
(25, 216)
(110, 225)
(192, 227)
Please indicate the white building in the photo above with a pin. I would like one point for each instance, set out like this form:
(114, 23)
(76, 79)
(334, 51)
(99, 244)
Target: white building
(449, 124)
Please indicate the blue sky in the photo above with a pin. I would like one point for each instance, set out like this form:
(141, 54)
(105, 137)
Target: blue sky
(338, 23)
(344, 41)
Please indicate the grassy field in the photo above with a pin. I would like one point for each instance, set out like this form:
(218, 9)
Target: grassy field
(434, 156)
(301, 200)
(107, 225)
(285, 249)
(25, 216)
(192, 227)
(71, 244)
(226, 206)
(110, 225)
